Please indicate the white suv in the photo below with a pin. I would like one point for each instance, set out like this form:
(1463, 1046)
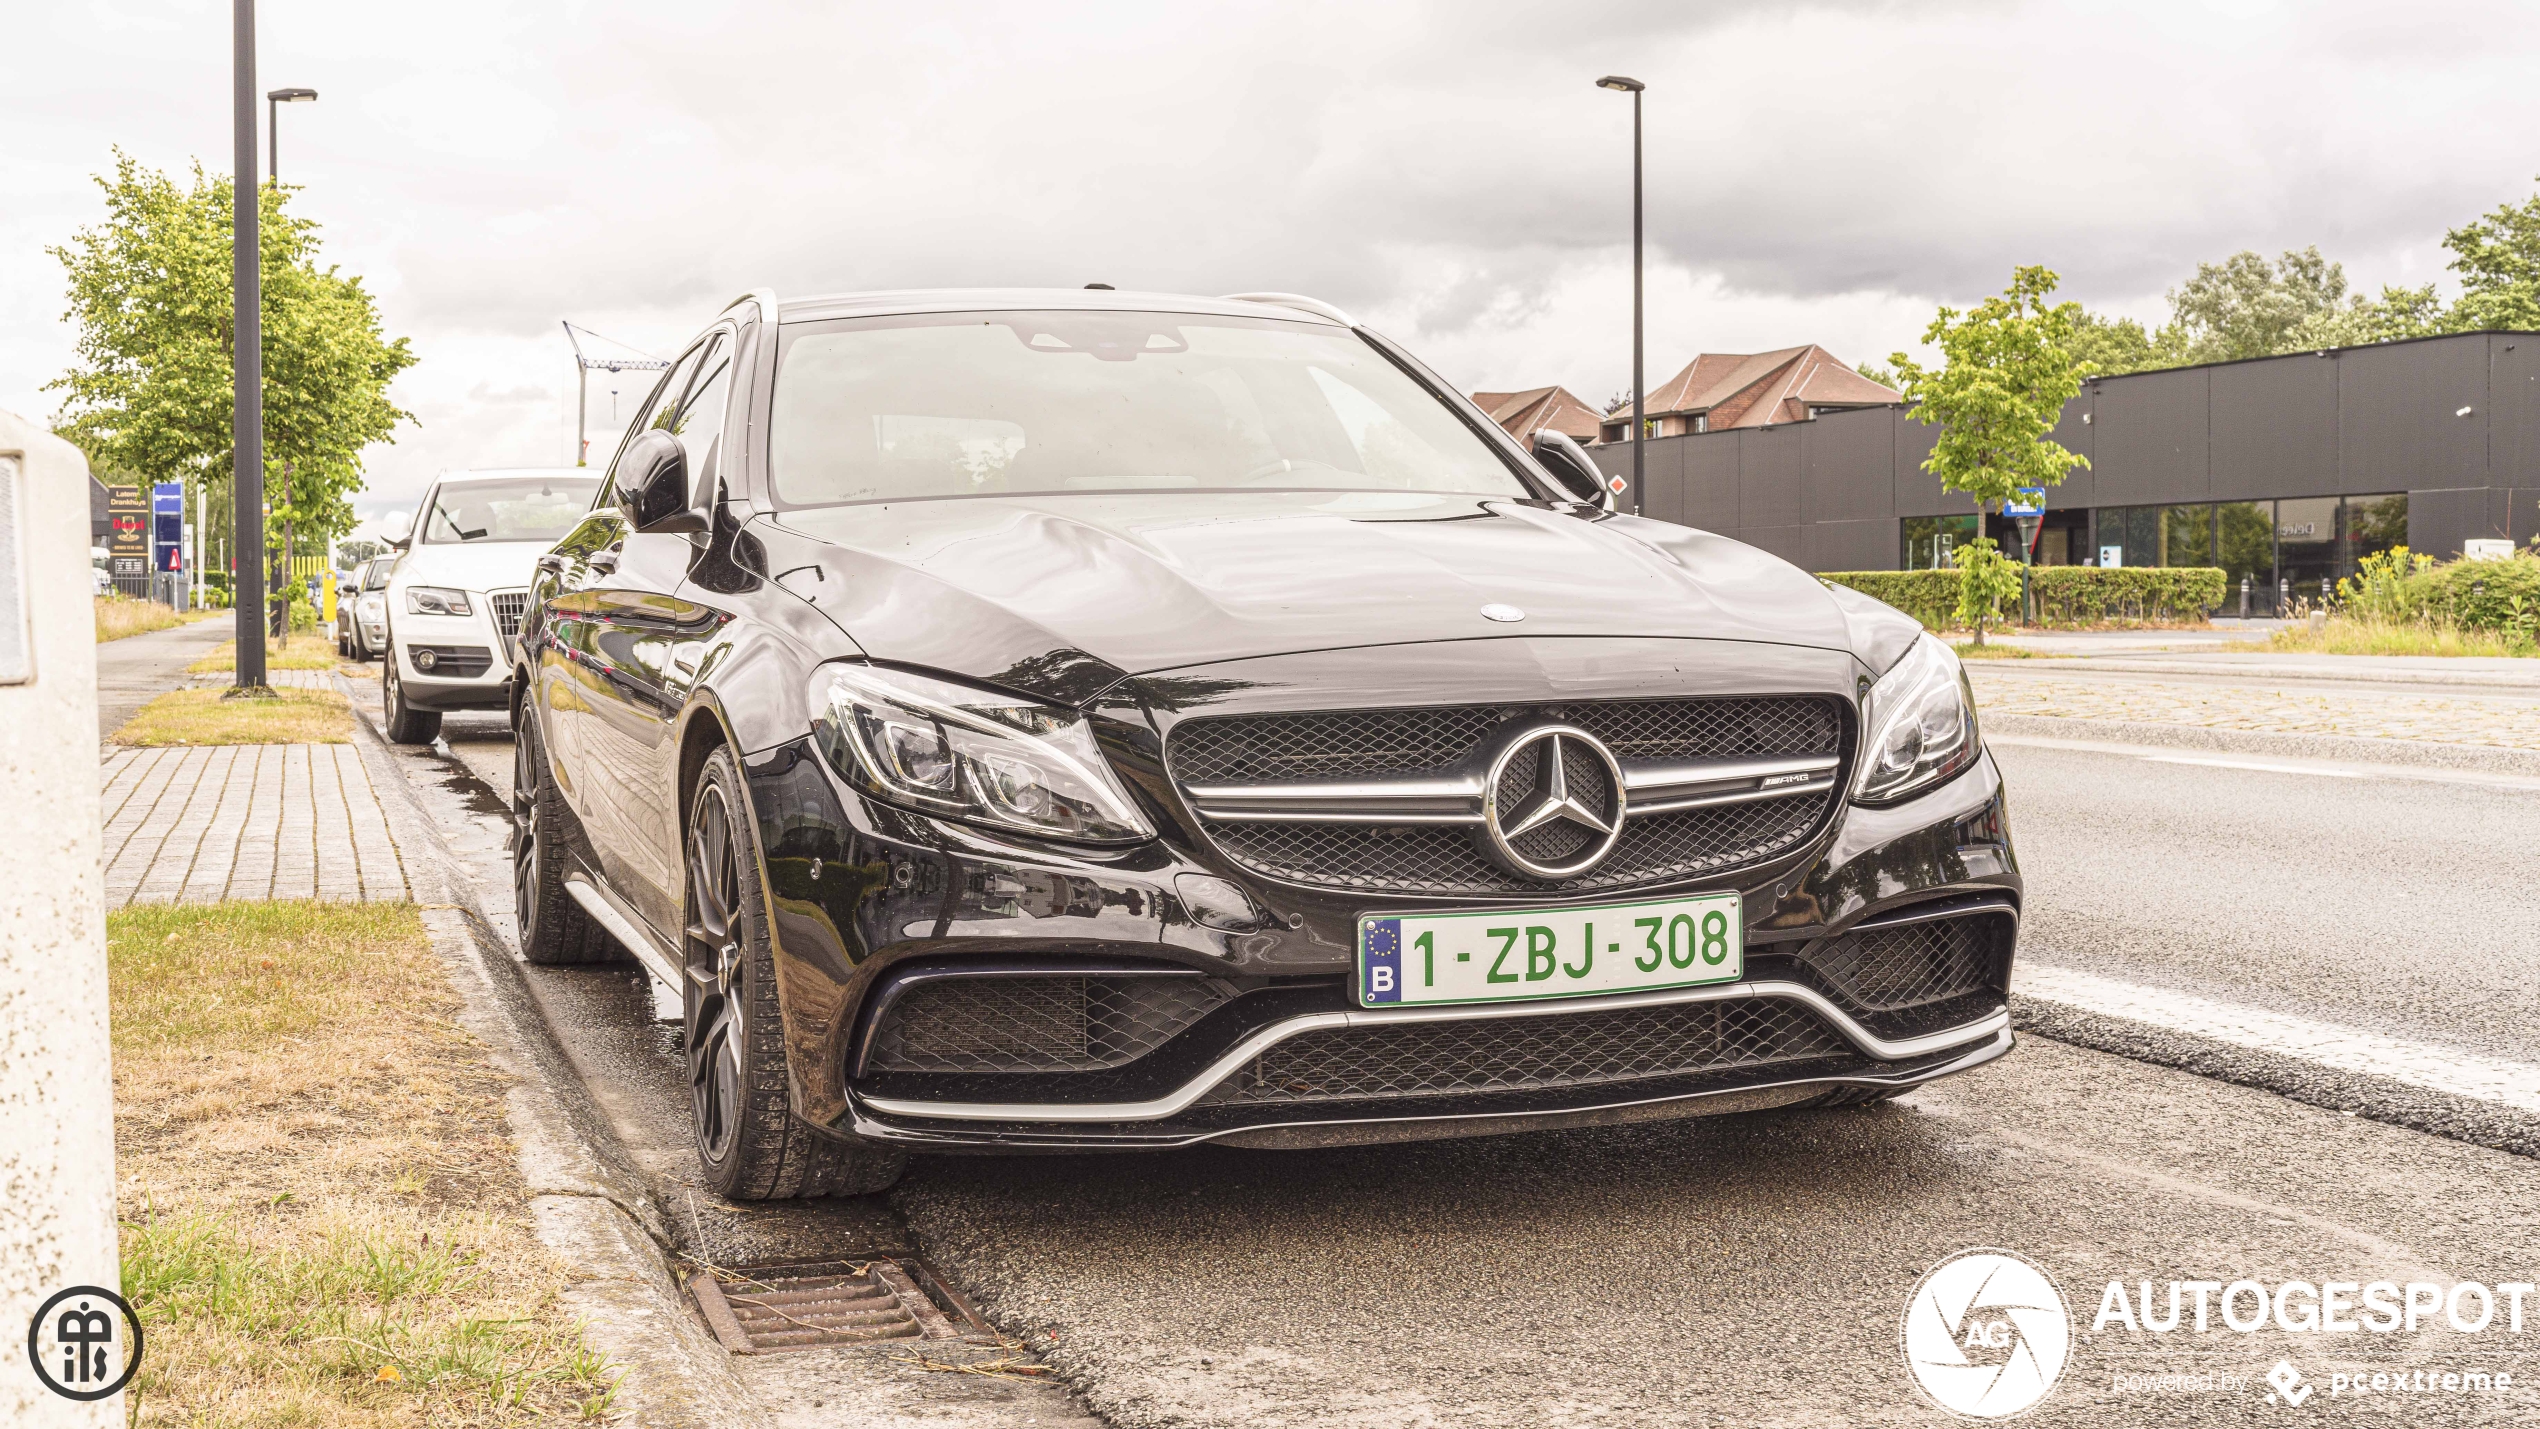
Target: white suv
(455, 598)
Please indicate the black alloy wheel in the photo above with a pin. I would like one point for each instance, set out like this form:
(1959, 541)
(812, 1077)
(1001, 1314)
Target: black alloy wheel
(554, 931)
(749, 1143)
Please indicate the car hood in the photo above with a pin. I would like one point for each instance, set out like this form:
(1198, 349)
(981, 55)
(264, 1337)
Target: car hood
(1059, 595)
(1065, 592)
(470, 565)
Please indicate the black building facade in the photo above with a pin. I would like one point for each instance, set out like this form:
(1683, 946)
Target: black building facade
(2283, 470)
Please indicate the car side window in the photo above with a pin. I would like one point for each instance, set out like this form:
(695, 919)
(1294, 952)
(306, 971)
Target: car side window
(660, 410)
(700, 421)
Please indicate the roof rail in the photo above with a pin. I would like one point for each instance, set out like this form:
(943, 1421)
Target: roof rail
(1298, 301)
(764, 297)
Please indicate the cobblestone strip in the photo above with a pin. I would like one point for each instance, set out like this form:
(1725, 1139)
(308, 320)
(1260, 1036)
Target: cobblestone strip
(249, 821)
(2265, 708)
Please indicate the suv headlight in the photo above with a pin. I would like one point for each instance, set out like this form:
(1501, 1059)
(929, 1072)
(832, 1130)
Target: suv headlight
(968, 753)
(435, 600)
(1921, 718)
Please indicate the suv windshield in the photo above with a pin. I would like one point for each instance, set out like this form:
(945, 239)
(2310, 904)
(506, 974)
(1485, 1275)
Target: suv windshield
(527, 508)
(976, 404)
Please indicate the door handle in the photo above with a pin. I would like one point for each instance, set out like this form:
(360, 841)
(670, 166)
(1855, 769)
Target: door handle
(551, 563)
(604, 561)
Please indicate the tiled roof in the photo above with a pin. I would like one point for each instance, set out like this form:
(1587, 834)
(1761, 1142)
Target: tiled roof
(1752, 389)
(1522, 414)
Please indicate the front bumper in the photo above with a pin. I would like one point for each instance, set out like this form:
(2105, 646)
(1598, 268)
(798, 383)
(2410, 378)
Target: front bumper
(470, 670)
(864, 895)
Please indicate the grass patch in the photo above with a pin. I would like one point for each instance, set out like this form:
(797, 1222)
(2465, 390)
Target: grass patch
(302, 651)
(121, 615)
(321, 1219)
(2343, 636)
(207, 717)
(1968, 650)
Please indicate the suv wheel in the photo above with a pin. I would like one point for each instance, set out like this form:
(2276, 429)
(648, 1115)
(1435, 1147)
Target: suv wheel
(406, 724)
(554, 931)
(749, 1142)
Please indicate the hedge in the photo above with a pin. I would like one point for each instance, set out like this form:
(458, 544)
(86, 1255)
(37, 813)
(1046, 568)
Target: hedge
(2066, 595)
(2472, 595)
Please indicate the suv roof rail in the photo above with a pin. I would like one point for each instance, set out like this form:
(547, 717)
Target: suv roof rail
(1298, 301)
(764, 297)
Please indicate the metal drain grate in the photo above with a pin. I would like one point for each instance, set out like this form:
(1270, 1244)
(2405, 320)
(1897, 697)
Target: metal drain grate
(767, 1309)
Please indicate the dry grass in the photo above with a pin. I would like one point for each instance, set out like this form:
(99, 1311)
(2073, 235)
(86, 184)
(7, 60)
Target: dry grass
(322, 1220)
(121, 615)
(209, 717)
(2341, 636)
(1969, 650)
(304, 650)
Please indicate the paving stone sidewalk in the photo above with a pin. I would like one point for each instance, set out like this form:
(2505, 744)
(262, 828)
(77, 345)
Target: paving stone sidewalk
(249, 821)
(2265, 707)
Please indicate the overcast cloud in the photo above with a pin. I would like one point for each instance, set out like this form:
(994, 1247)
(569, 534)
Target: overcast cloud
(1822, 173)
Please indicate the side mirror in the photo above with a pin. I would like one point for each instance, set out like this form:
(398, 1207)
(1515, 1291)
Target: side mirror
(1569, 464)
(652, 485)
(397, 530)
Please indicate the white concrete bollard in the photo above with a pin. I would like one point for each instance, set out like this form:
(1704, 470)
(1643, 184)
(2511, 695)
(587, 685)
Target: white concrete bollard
(57, 1127)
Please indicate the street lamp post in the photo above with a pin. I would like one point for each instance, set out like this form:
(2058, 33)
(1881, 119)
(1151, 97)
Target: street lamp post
(274, 100)
(247, 357)
(1633, 87)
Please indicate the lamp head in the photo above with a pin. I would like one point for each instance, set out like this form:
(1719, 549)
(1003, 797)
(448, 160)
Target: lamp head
(1621, 84)
(290, 96)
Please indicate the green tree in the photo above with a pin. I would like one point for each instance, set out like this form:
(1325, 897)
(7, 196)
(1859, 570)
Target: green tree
(2009, 369)
(1986, 578)
(2245, 306)
(150, 296)
(2397, 313)
(2115, 346)
(2498, 258)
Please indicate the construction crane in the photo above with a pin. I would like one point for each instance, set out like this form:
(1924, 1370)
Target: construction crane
(583, 365)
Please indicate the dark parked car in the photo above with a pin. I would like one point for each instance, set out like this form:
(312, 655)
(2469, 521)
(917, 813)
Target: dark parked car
(1091, 720)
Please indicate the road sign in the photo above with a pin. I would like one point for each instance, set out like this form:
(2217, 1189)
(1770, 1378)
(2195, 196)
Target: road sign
(2030, 502)
(167, 527)
(127, 531)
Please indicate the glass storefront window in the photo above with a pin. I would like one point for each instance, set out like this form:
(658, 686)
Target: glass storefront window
(2187, 536)
(2374, 524)
(1930, 539)
(2245, 531)
(2306, 544)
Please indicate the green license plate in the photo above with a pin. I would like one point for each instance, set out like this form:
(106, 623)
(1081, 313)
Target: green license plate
(1509, 954)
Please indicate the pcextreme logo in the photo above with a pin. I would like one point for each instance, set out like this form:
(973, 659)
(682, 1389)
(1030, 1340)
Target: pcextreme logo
(1986, 1334)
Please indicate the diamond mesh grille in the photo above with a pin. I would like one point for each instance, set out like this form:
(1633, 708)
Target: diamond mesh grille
(1885, 969)
(1516, 1054)
(1037, 1024)
(1447, 860)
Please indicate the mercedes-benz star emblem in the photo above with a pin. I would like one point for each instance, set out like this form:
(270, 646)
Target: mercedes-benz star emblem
(1552, 807)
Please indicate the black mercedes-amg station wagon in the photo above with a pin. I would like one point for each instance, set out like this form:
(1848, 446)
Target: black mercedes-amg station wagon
(1091, 720)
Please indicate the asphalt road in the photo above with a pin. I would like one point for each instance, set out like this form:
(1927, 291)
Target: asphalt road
(1755, 1269)
(2403, 906)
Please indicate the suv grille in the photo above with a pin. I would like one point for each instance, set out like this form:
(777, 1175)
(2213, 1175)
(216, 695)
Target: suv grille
(1442, 859)
(1037, 1023)
(1525, 1053)
(508, 606)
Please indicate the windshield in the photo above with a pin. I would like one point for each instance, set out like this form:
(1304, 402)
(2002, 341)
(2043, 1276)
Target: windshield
(527, 508)
(376, 578)
(978, 404)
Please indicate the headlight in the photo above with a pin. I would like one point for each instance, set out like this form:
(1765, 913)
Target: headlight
(1921, 718)
(435, 600)
(969, 753)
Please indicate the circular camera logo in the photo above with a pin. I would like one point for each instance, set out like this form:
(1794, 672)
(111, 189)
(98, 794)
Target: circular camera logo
(85, 1343)
(1986, 1334)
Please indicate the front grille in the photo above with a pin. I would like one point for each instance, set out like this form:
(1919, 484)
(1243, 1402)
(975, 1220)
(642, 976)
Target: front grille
(1037, 1023)
(1410, 1059)
(509, 606)
(1448, 860)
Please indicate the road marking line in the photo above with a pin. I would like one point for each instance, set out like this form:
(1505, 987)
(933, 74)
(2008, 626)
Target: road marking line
(2344, 1049)
(2322, 770)
(2424, 773)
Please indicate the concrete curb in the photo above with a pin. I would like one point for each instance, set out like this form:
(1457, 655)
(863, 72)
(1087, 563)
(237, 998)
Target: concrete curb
(2302, 674)
(2393, 1103)
(2353, 749)
(586, 1198)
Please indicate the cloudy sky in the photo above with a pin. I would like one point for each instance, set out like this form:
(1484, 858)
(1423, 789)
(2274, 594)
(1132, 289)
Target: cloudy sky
(1817, 173)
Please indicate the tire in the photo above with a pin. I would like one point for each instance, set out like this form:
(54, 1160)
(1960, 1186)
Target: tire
(554, 931)
(749, 1143)
(406, 724)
